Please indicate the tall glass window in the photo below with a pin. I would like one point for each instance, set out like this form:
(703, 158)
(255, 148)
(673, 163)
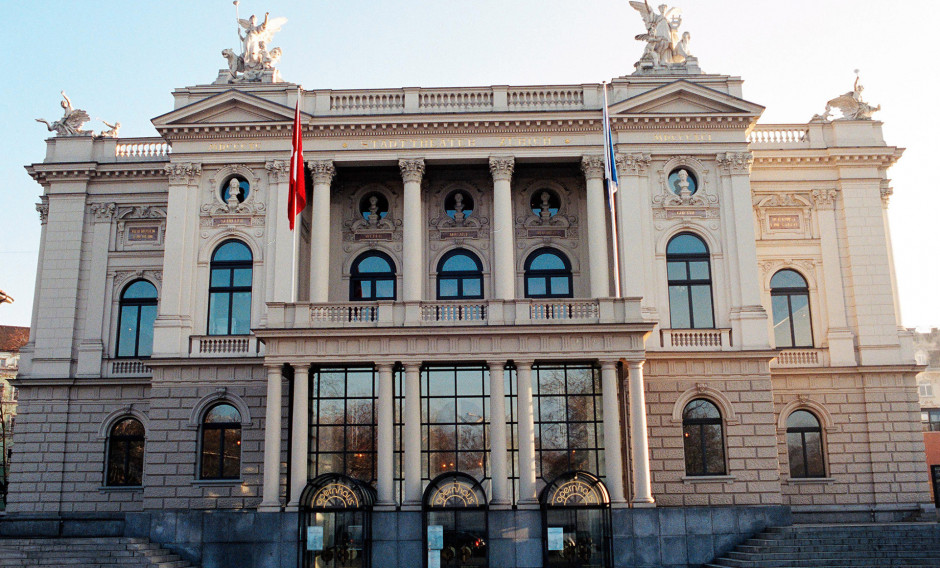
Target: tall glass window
(372, 277)
(230, 290)
(455, 411)
(804, 445)
(548, 275)
(220, 454)
(342, 422)
(125, 454)
(135, 321)
(459, 276)
(704, 438)
(690, 283)
(568, 419)
(789, 296)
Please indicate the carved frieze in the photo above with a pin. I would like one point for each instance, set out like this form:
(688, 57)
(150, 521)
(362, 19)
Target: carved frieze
(183, 172)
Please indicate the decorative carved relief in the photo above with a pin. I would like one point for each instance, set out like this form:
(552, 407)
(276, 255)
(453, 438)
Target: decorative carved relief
(461, 228)
(633, 164)
(278, 171)
(735, 162)
(323, 171)
(702, 204)
(824, 198)
(805, 266)
(502, 167)
(140, 226)
(537, 223)
(783, 215)
(102, 211)
(593, 166)
(412, 170)
(217, 215)
(43, 210)
(375, 229)
(122, 278)
(886, 191)
(183, 172)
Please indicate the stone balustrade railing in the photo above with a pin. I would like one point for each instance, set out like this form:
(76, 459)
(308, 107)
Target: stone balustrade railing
(795, 358)
(138, 149)
(695, 339)
(542, 99)
(129, 367)
(435, 313)
(224, 346)
(780, 136)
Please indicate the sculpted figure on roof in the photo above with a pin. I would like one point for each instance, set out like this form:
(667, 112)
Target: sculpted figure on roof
(256, 61)
(665, 46)
(71, 122)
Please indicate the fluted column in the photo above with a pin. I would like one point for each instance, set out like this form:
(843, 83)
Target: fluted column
(300, 434)
(323, 172)
(639, 438)
(412, 434)
(271, 488)
(412, 171)
(504, 269)
(526, 427)
(593, 168)
(498, 469)
(613, 436)
(386, 439)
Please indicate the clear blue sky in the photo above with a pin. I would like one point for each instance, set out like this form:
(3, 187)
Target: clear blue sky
(120, 61)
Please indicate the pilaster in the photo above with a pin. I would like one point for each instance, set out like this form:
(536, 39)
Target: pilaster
(633, 214)
(90, 350)
(840, 338)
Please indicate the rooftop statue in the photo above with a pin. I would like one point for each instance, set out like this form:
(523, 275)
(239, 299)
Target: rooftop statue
(71, 122)
(665, 49)
(255, 60)
(850, 104)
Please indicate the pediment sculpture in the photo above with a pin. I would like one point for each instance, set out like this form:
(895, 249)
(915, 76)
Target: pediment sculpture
(256, 63)
(850, 105)
(71, 122)
(666, 49)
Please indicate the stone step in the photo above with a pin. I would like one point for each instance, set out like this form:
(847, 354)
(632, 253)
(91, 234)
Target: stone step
(87, 553)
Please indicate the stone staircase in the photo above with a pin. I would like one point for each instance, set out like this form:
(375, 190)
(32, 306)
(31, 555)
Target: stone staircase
(907, 545)
(99, 552)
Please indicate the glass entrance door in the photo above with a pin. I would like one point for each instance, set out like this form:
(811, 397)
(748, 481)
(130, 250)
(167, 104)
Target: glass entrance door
(582, 538)
(336, 539)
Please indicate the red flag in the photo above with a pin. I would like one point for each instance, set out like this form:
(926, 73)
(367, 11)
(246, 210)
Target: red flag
(297, 191)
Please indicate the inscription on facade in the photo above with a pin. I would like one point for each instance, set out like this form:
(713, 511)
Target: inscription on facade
(682, 138)
(544, 232)
(784, 221)
(680, 213)
(237, 221)
(143, 234)
(234, 146)
(374, 236)
(444, 143)
(457, 234)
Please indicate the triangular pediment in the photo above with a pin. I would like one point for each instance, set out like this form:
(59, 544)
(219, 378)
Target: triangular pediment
(684, 97)
(228, 108)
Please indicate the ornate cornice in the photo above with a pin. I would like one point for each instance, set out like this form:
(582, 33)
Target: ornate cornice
(824, 198)
(735, 162)
(323, 171)
(102, 211)
(278, 170)
(593, 166)
(635, 164)
(412, 170)
(183, 172)
(501, 167)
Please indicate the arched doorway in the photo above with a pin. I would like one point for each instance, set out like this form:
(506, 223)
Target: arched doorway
(455, 521)
(336, 523)
(576, 522)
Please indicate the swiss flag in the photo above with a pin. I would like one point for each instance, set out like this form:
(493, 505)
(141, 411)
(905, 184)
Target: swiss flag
(297, 191)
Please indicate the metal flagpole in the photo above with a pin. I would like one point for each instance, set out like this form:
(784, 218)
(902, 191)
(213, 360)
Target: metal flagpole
(611, 179)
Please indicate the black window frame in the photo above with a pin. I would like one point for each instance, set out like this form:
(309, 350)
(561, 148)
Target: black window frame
(356, 277)
(230, 290)
(224, 427)
(789, 292)
(932, 422)
(139, 303)
(317, 399)
(547, 275)
(460, 275)
(688, 282)
(700, 424)
(123, 443)
(802, 431)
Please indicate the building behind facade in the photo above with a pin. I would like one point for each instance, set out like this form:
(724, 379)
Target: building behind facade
(927, 352)
(12, 339)
(440, 342)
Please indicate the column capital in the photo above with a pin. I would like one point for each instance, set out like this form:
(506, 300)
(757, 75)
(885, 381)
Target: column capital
(384, 367)
(43, 209)
(412, 169)
(278, 170)
(608, 365)
(824, 198)
(322, 170)
(412, 366)
(501, 167)
(635, 365)
(593, 166)
(735, 162)
(523, 363)
(102, 211)
(183, 172)
(633, 164)
(501, 364)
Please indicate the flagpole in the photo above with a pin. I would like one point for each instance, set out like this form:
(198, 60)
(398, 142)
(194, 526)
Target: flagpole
(611, 177)
(296, 186)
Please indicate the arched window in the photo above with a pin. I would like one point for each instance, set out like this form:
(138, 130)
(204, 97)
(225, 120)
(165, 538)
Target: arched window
(135, 320)
(704, 439)
(789, 296)
(459, 276)
(547, 275)
(220, 453)
(125, 454)
(690, 283)
(372, 277)
(804, 445)
(230, 290)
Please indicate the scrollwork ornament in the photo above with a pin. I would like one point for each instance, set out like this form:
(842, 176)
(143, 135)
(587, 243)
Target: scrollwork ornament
(502, 167)
(593, 166)
(633, 164)
(824, 198)
(102, 211)
(182, 172)
(412, 170)
(735, 162)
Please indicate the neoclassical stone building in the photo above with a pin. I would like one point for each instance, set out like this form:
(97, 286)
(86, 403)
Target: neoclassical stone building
(435, 366)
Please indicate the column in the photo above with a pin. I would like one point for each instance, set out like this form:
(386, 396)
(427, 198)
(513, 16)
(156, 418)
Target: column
(504, 265)
(639, 441)
(412, 171)
(634, 244)
(412, 434)
(91, 348)
(612, 432)
(841, 339)
(526, 429)
(300, 434)
(498, 454)
(593, 168)
(271, 490)
(386, 436)
(323, 172)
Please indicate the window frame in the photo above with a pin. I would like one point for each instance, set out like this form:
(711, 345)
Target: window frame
(802, 431)
(223, 426)
(789, 292)
(460, 275)
(547, 275)
(356, 277)
(230, 290)
(932, 422)
(124, 441)
(701, 423)
(315, 423)
(688, 282)
(139, 303)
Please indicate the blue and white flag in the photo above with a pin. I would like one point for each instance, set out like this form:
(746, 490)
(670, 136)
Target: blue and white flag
(610, 167)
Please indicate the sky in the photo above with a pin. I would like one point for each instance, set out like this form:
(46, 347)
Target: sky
(121, 60)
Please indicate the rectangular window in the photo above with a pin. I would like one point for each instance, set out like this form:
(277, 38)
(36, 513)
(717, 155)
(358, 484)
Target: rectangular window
(925, 389)
(342, 422)
(931, 418)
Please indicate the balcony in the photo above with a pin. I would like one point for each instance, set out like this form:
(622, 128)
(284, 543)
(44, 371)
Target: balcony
(454, 313)
(800, 358)
(225, 346)
(695, 339)
(127, 368)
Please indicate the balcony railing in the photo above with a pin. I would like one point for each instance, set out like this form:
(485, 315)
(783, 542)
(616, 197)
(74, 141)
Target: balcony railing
(796, 358)
(224, 346)
(695, 339)
(436, 313)
(129, 368)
